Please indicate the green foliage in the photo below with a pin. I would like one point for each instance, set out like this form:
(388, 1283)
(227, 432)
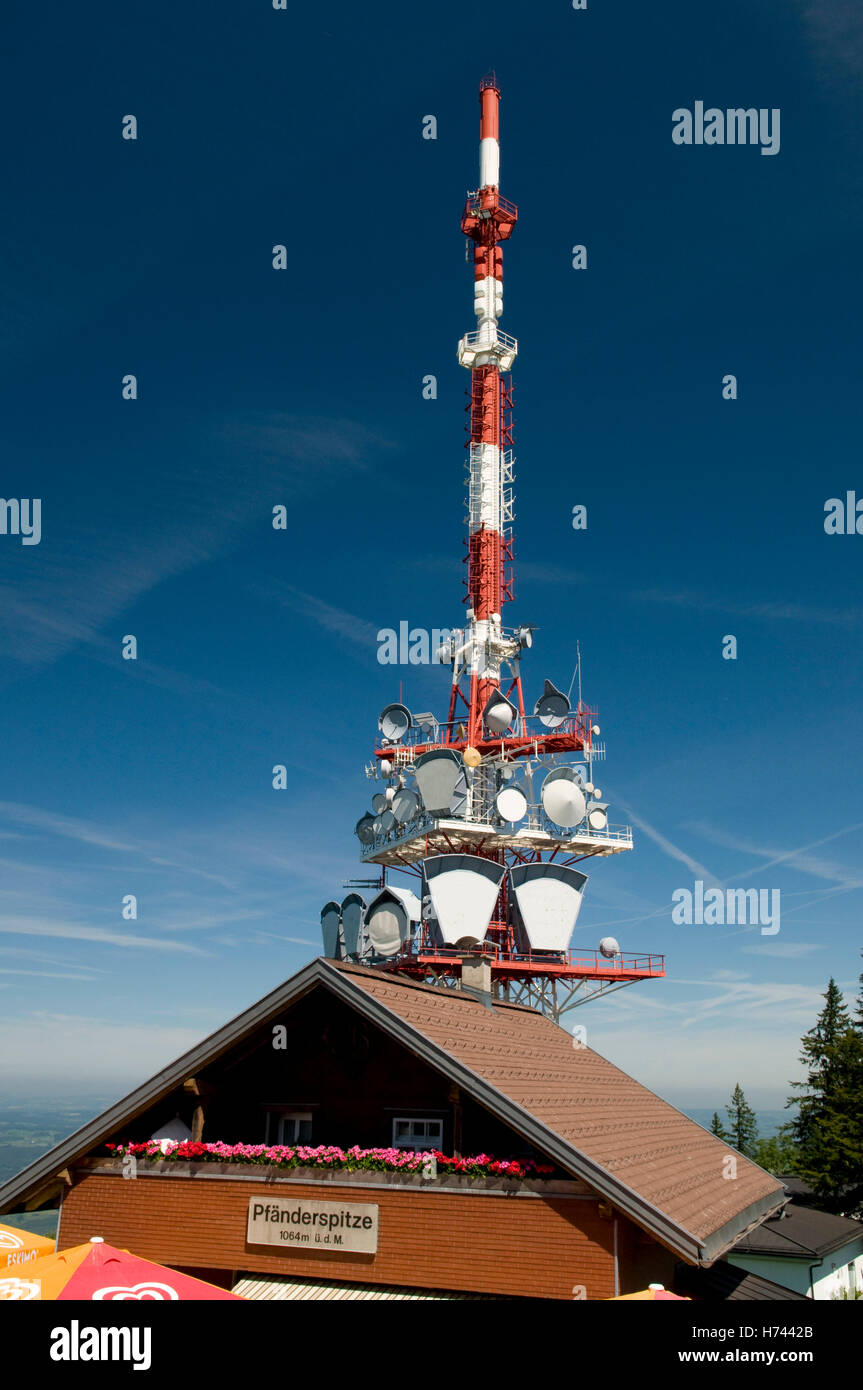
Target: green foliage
(717, 1129)
(742, 1125)
(778, 1154)
(828, 1127)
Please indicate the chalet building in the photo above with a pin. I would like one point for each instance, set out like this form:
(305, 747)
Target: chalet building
(345, 1055)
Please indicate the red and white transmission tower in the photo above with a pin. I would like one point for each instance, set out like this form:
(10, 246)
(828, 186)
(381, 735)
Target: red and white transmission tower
(490, 809)
(488, 220)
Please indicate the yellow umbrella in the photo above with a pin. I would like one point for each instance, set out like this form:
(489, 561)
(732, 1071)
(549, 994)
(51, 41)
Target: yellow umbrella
(20, 1247)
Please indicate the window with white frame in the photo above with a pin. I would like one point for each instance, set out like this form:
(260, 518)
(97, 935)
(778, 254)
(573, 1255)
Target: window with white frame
(417, 1134)
(290, 1127)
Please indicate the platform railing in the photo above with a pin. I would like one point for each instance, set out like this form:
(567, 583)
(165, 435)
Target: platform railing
(586, 962)
(535, 823)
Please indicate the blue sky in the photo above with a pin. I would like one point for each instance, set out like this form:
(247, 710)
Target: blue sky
(303, 387)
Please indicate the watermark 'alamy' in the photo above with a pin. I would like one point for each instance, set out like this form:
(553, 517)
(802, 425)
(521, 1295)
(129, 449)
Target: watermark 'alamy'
(21, 518)
(844, 517)
(715, 908)
(414, 646)
(76, 1343)
(735, 126)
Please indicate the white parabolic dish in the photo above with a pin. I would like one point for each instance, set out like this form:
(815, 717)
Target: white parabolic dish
(387, 925)
(563, 801)
(511, 804)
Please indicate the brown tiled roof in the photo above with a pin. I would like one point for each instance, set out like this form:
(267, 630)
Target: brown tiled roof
(613, 1122)
(589, 1117)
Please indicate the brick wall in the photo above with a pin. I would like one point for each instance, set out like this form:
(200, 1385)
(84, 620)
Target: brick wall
(480, 1242)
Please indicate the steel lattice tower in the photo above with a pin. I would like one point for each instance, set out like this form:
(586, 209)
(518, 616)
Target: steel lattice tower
(461, 795)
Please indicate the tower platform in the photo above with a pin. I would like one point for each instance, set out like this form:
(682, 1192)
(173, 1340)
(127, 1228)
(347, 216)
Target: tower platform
(433, 835)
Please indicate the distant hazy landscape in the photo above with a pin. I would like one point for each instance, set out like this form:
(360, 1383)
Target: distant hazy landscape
(30, 1128)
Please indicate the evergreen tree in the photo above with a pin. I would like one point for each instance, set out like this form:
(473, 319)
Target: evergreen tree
(830, 1025)
(743, 1131)
(716, 1128)
(828, 1128)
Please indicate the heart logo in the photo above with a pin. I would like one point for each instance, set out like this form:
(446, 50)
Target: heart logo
(160, 1293)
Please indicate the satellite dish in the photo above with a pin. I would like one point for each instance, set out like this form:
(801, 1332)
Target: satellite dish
(552, 707)
(472, 757)
(609, 947)
(596, 729)
(561, 774)
(409, 900)
(387, 924)
(463, 889)
(379, 803)
(563, 799)
(597, 815)
(353, 914)
(597, 793)
(386, 767)
(499, 712)
(387, 821)
(405, 805)
(365, 829)
(427, 724)
(394, 722)
(511, 804)
(437, 773)
(331, 924)
(547, 900)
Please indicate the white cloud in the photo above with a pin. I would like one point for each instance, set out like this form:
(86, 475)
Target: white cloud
(836, 30)
(354, 629)
(788, 950)
(71, 1050)
(672, 850)
(73, 931)
(768, 609)
(88, 833)
(699, 1069)
(799, 858)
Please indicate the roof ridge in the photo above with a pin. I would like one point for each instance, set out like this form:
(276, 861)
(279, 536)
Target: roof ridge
(346, 967)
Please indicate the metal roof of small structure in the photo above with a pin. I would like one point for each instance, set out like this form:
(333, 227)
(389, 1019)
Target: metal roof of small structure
(725, 1283)
(800, 1233)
